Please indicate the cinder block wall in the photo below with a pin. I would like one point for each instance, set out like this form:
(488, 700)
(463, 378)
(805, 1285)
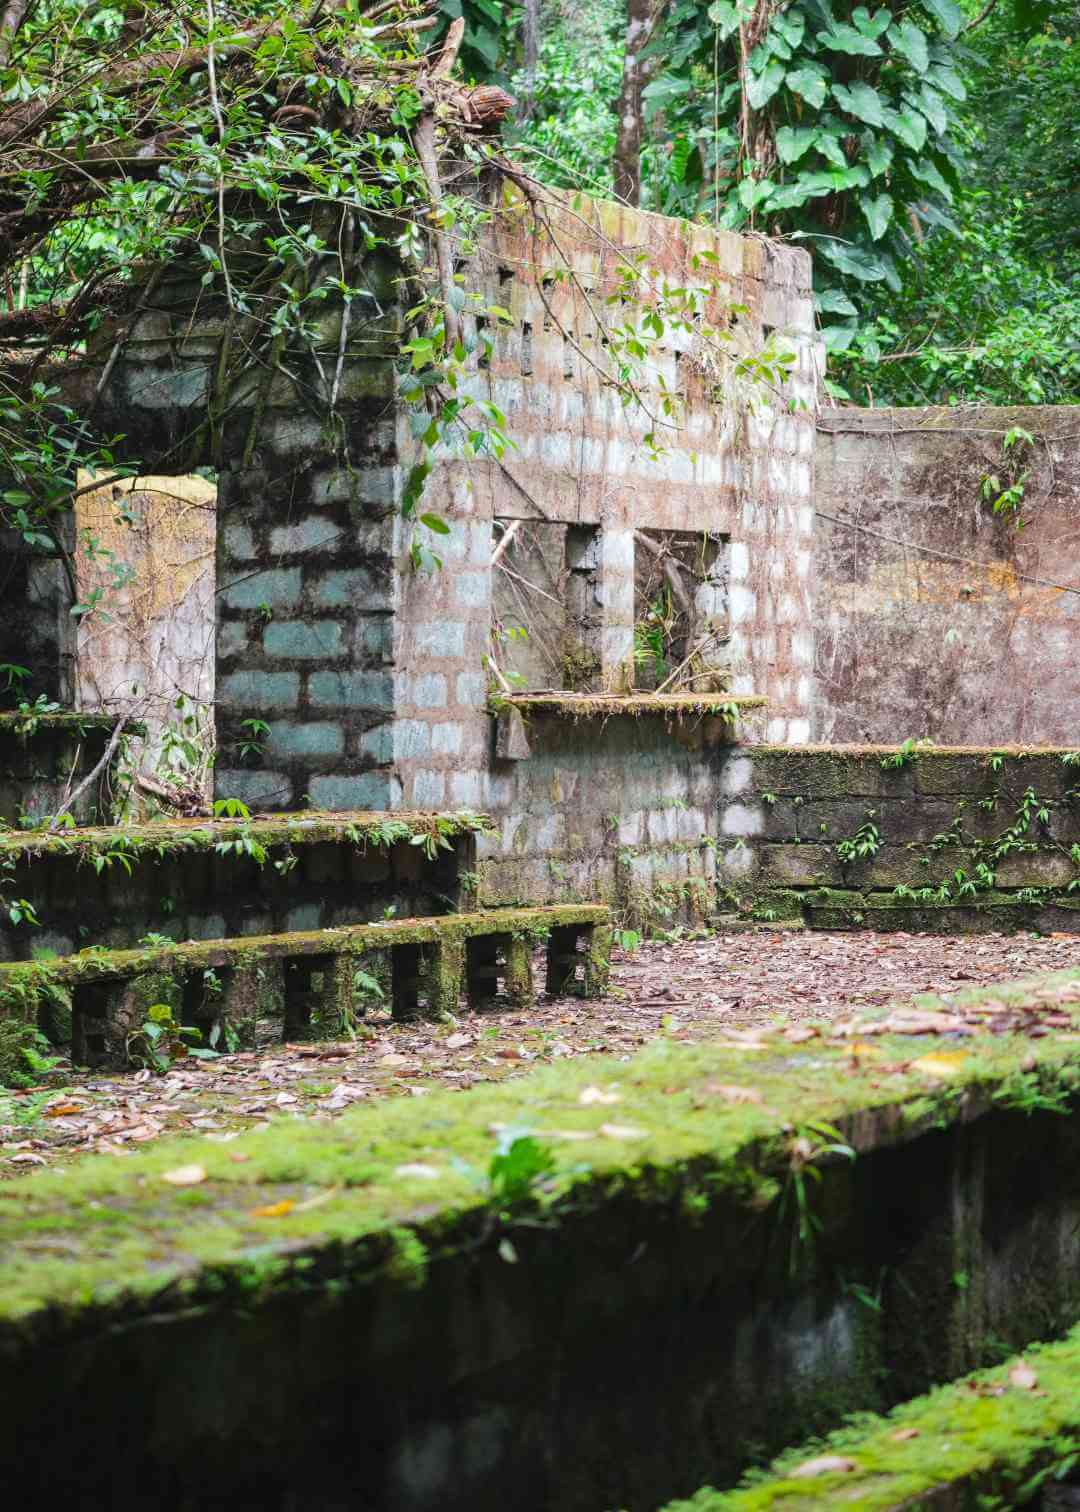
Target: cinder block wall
(948, 838)
(344, 679)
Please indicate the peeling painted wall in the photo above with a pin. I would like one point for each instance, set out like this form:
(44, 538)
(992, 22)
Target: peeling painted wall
(155, 634)
(937, 617)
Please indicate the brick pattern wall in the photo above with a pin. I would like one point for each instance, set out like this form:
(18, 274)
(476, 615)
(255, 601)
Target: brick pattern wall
(783, 813)
(369, 678)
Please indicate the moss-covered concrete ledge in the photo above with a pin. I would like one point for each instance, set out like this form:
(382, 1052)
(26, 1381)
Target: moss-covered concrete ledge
(42, 754)
(159, 837)
(214, 878)
(632, 705)
(352, 1314)
(911, 837)
(992, 1439)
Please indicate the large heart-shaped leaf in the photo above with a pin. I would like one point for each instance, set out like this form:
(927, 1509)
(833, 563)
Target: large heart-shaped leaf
(906, 38)
(947, 14)
(761, 87)
(789, 197)
(753, 191)
(791, 25)
(927, 170)
(908, 125)
(871, 25)
(857, 262)
(832, 180)
(809, 82)
(793, 142)
(879, 212)
(948, 80)
(879, 153)
(860, 101)
(846, 39)
(839, 337)
(725, 17)
(833, 302)
(829, 143)
(933, 108)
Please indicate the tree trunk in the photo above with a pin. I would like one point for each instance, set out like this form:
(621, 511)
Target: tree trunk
(641, 19)
(531, 41)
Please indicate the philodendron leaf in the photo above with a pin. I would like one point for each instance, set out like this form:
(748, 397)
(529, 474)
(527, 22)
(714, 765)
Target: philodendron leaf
(879, 212)
(934, 109)
(834, 302)
(909, 126)
(906, 38)
(791, 25)
(879, 153)
(753, 191)
(871, 25)
(847, 39)
(946, 79)
(861, 101)
(761, 87)
(948, 16)
(927, 170)
(810, 83)
(793, 142)
(858, 262)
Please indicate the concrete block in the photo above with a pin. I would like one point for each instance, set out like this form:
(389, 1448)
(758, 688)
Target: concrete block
(412, 738)
(358, 790)
(309, 640)
(446, 739)
(429, 690)
(466, 789)
(441, 638)
(740, 820)
(429, 789)
(378, 744)
(239, 542)
(278, 587)
(313, 534)
(324, 738)
(362, 587)
(351, 690)
(259, 690)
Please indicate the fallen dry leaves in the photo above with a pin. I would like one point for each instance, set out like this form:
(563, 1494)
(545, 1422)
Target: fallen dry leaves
(746, 988)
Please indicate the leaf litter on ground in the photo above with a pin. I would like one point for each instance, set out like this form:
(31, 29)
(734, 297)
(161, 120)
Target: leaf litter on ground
(745, 987)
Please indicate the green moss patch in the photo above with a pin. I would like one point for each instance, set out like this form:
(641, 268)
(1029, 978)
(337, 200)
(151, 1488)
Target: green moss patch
(385, 1187)
(604, 705)
(161, 837)
(989, 1440)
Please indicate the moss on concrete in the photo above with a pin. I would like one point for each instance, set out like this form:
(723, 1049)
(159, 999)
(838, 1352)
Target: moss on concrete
(160, 837)
(989, 1440)
(117, 1234)
(636, 705)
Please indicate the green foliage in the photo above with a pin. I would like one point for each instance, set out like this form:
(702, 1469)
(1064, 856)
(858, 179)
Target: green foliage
(161, 1040)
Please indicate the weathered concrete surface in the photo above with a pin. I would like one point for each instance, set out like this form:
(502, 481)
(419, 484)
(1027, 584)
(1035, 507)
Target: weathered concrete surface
(205, 879)
(935, 616)
(950, 838)
(44, 758)
(343, 1319)
(154, 635)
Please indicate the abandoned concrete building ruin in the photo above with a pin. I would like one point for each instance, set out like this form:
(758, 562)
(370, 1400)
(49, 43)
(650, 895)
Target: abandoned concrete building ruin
(782, 666)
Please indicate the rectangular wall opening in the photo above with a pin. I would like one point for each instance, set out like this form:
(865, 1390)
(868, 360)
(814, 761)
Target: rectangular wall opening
(546, 613)
(681, 611)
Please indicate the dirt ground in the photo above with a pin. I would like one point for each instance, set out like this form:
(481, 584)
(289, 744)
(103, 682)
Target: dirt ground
(686, 989)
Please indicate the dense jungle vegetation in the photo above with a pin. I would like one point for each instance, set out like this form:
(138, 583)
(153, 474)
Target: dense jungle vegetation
(926, 151)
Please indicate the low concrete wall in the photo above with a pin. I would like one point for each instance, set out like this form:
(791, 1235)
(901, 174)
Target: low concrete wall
(620, 808)
(935, 616)
(345, 1319)
(952, 838)
(40, 755)
(204, 879)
